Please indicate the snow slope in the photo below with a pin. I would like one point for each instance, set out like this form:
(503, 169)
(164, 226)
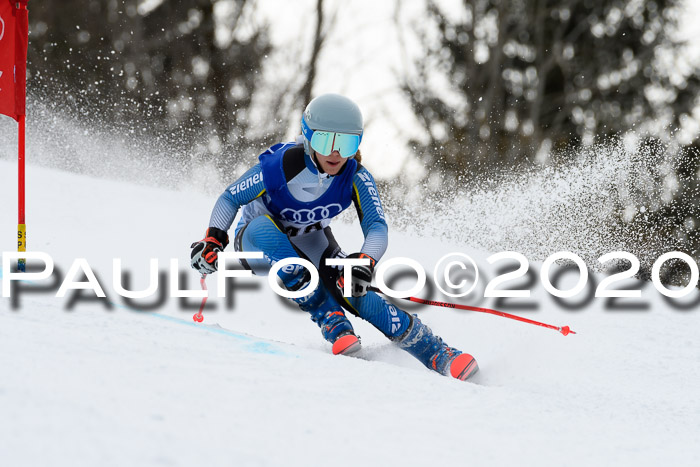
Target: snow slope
(87, 382)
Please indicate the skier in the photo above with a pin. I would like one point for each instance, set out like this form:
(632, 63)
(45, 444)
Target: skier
(288, 201)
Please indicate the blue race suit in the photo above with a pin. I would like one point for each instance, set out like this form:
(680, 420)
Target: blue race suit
(287, 206)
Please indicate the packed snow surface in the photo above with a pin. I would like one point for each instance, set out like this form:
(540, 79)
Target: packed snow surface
(108, 382)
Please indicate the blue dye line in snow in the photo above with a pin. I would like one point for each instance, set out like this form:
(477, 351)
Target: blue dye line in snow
(253, 344)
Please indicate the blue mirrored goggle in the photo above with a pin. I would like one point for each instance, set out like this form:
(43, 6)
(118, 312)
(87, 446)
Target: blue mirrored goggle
(325, 142)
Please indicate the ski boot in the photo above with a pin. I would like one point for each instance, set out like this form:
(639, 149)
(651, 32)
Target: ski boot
(432, 352)
(336, 329)
(330, 317)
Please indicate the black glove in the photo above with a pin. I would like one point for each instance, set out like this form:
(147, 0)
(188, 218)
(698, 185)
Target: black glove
(361, 276)
(205, 253)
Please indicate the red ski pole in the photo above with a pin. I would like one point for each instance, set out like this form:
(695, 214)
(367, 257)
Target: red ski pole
(198, 316)
(563, 329)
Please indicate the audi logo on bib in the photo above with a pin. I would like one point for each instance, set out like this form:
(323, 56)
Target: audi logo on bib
(309, 216)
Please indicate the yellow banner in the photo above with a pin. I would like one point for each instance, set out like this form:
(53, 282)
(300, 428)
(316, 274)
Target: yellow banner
(21, 237)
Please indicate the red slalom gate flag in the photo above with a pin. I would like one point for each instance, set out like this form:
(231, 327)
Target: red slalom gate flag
(14, 36)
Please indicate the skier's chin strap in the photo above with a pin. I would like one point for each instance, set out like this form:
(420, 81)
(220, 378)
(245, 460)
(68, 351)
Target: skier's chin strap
(316, 164)
(319, 170)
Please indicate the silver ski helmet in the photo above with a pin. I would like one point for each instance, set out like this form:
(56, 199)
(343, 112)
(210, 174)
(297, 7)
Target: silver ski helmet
(332, 122)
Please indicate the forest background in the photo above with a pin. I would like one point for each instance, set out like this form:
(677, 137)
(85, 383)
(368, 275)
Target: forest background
(456, 94)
